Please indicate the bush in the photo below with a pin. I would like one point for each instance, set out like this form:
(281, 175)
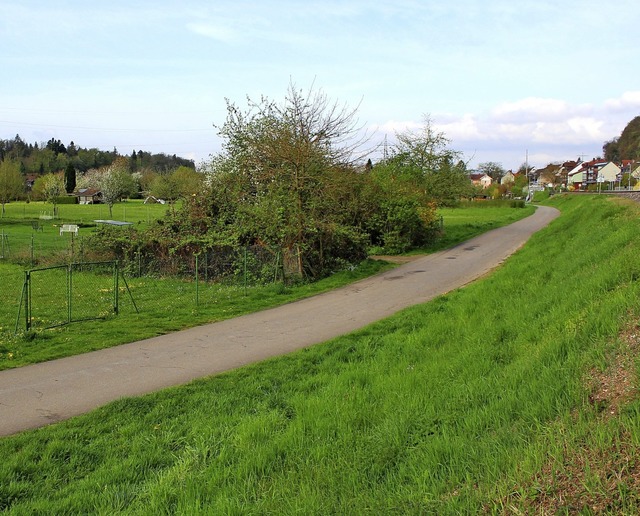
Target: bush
(67, 199)
(402, 225)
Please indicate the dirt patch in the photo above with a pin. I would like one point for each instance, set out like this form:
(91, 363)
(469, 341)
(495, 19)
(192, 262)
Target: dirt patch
(397, 259)
(612, 388)
(586, 478)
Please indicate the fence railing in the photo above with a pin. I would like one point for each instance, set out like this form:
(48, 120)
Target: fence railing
(54, 296)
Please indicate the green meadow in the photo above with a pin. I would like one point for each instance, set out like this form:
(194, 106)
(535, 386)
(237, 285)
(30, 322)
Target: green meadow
(495, 398)
(29, 232)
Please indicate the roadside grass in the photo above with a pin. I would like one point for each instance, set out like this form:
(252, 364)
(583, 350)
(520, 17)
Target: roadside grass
(470, 403)
(156, 298)
(471, 219)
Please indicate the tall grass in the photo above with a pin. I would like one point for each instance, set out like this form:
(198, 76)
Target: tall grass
(443, 408)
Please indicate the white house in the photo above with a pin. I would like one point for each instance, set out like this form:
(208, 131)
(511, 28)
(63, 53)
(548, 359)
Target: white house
(484, 180)
(609, 172)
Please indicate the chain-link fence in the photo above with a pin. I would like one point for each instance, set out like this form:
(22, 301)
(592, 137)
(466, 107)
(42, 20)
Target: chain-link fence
(53, 296)
(248, 265)
(40, 247)
(45, 297)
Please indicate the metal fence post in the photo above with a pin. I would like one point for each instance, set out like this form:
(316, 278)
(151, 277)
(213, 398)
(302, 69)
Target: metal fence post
(69, 290)
(245, 270)
(197, 282)
(115, 287)
(27, 299)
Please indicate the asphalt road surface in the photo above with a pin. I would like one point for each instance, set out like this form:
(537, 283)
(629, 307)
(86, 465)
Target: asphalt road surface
(45, 393)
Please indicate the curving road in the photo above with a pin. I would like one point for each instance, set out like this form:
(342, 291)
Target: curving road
(41, 394)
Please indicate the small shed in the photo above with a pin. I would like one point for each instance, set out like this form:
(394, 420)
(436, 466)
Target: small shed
(88, 196)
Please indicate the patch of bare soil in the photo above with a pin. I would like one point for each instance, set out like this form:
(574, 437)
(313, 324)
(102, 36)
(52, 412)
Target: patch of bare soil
(565, 484)
(396, 259)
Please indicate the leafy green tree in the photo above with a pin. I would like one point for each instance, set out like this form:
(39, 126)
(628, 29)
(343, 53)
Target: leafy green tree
(70, 178)
(423, 160)
(115, 183)
(282, 156)
(629, 142)
(164, 188)
(187, 181)
(52, 188)
(611, 150)
(425, 149)
(11, 182)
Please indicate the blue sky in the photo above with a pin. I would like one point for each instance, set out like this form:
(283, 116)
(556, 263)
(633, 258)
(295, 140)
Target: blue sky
(501, 78)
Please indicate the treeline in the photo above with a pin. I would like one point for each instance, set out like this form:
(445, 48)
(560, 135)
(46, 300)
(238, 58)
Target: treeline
(53, 156)
(626, 146)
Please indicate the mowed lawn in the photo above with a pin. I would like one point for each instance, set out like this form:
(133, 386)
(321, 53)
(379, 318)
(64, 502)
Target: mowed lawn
(493, 398)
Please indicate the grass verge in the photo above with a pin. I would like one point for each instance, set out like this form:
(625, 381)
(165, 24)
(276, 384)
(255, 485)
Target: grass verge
(457, 406)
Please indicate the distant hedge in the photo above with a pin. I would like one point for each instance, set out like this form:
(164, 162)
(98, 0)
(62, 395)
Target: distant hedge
(67, 199)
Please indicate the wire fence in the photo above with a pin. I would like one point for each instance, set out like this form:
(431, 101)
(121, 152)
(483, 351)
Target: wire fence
(53, 296)
(39, 247)
(46, 297)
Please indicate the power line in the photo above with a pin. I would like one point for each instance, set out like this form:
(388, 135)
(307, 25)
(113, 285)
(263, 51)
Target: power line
(82, 128)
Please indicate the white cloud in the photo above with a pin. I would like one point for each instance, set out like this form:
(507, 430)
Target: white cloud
(531, 109)
(465, 128)
(628, 100)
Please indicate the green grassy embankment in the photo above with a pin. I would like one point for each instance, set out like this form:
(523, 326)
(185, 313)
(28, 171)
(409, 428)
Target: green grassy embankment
(492, 398)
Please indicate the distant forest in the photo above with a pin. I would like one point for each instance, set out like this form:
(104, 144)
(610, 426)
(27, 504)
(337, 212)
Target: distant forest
(53, 156)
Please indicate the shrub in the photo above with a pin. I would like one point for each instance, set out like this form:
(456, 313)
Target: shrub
(66, 199)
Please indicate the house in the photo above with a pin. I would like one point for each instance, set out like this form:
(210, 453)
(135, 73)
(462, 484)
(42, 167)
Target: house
(509, 177)
(588, 172)
(481, 179)
(30, 180)
(88, 196)
(563, 172)
(547, 176)
(610, 173)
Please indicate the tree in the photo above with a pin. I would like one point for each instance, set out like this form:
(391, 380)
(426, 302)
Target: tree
(115, 183)
(163, 187)
(424, 158)
(70, 178)
(426, 149)
(11, 182)
(52, 188)
(611, 150)
(492, 169)
(186, 181)
(283, 155)
(629, 142)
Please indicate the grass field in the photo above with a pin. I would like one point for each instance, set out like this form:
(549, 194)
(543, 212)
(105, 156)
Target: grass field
(496, 398)
(473, 218)
(27, 238)
(133, 210)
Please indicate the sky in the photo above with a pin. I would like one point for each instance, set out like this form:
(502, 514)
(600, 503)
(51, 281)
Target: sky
(504, 80)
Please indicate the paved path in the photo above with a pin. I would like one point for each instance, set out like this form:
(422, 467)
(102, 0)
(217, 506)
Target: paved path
(41, 394)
